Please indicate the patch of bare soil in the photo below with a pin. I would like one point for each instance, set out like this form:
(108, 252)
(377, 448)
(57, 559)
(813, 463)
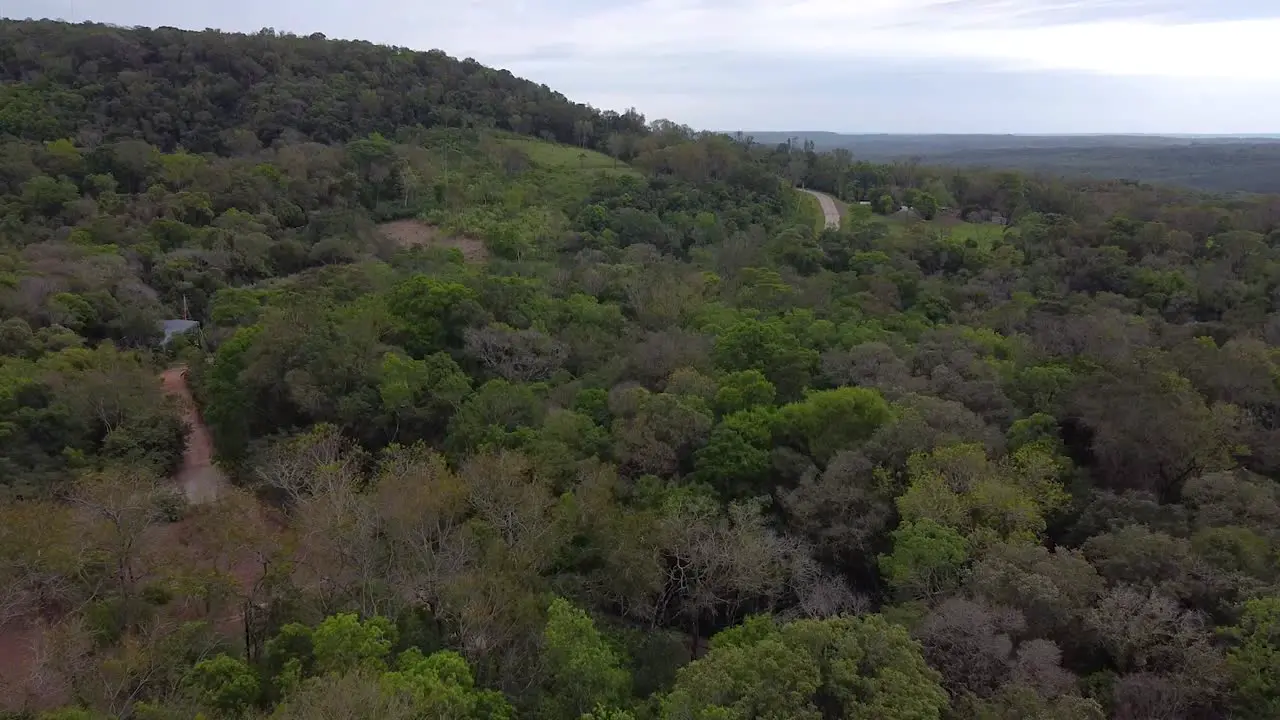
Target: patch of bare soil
(415, 233)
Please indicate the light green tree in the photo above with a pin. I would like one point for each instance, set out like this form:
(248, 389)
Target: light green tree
(743, 390)
(1254, 663)
(225, 684)
(927, 559)
(828, 421)
(344, 642)
(582, 671)
(854, 667)
(441, 685)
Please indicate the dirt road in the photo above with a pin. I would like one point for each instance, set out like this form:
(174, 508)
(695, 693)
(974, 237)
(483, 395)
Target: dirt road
(829, 210)
(199, 478)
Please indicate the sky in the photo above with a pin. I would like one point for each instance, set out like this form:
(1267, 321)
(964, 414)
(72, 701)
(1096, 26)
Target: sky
(894, 66)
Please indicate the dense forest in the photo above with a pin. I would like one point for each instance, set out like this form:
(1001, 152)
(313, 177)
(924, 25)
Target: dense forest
(525, 409)
(1215, 164)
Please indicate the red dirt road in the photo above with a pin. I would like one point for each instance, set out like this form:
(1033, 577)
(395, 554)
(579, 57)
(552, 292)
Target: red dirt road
(199, 478)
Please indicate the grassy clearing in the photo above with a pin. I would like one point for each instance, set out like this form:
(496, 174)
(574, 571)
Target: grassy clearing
(566, 157)
(984, 235)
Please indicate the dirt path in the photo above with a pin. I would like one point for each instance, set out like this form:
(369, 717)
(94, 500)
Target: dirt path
(199, 478)
(829, 210)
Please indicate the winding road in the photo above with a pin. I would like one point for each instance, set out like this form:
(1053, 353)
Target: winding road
(829, 210)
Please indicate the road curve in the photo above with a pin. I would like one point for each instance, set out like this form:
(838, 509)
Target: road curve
(829, 210)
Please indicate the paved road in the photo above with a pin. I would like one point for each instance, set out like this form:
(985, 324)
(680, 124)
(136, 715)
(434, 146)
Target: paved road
(829, 209)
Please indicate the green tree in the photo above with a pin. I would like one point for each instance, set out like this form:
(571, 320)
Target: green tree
(927, 559)
(957, 486)
(492, 414)
(1254, 661)
(769, 348)
(344, 642)
(225, 684)
(431, 314)
(441, 685)
(583, 671)
(743, 390)
(228, 400)
(829, 421)
(421, 395)
(736, 458)
(47, 196)
(808, 669)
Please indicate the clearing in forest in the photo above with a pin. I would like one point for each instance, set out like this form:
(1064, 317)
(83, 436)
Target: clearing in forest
(566, 157)
(984, 235)
(416, 233)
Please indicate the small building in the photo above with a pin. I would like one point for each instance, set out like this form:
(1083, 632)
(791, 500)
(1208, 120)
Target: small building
(174, 328)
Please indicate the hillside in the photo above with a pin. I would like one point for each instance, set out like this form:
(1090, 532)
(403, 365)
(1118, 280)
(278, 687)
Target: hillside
(1217, 164)
(605, 425)
(212, 91)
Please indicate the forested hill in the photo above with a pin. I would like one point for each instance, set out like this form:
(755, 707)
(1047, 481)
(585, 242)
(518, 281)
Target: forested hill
(204, 90)
(517, 428)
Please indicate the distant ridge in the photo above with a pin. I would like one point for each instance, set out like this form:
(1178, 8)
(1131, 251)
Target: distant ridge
(1218, 163)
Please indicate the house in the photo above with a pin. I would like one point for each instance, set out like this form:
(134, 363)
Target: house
(174, 328)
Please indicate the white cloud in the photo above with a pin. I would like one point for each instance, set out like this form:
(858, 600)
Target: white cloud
(1010, 34)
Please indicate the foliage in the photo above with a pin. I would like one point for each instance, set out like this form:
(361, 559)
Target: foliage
(849, 667)
(927, 559)
(583, 671)
(1253, 663)
(523, 401)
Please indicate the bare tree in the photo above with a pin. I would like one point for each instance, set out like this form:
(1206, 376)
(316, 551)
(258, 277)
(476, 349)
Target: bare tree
(41, 555)
(516, 355)
(970, 644)
(716, 563)
(149, 663)
(421, 506)
(320, 460)
(120, 506)
(320, 474)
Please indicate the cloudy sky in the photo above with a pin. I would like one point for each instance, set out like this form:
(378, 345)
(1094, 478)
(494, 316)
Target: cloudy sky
(1025, 66)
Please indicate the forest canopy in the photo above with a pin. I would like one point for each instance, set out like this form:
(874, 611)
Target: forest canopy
(520, 408)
